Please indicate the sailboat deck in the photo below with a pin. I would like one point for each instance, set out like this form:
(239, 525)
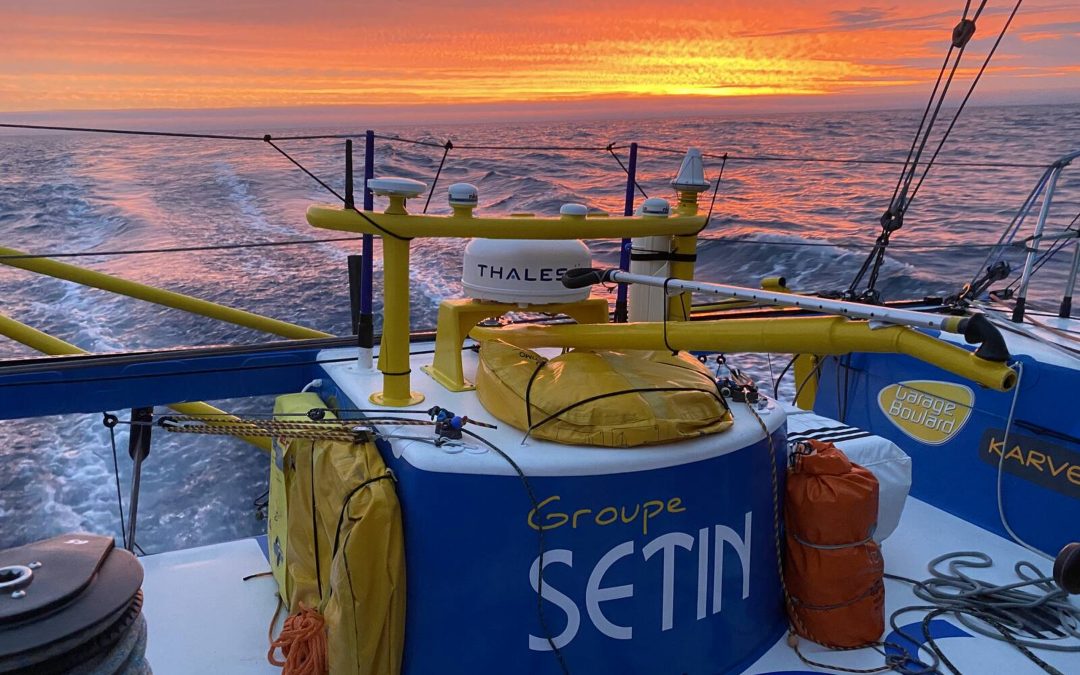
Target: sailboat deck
(204, 617)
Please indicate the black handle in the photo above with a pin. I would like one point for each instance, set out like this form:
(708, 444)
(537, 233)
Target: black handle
(978, 330)
(581, 277)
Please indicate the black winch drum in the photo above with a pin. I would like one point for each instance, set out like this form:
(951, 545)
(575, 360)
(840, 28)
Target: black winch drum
(72, 603)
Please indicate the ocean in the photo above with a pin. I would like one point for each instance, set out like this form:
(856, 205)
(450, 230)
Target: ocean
(812, 222)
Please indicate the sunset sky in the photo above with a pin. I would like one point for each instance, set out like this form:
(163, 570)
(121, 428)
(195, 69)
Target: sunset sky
(479, 56)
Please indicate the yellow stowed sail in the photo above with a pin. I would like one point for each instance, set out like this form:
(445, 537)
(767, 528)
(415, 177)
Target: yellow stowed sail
(336, 543)
(606, 398)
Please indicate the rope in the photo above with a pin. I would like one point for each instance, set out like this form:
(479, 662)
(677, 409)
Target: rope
(110, 423)
(971, 89)
(611, 149)
(540, 540)
(563, 148)
(446, 151)
(816, 159)
(177, 249)
(903, 194)
(716, 190)
(309, 242)
(302, 642)
(304, 169)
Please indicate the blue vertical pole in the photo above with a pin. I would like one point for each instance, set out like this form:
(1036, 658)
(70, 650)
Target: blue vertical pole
(365, 328)
(366, 291)
(624, 250)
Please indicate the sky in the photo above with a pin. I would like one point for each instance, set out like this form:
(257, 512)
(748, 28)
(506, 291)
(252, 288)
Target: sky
(446, 59)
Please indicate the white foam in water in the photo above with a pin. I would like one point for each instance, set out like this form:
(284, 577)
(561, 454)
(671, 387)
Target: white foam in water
(76, 192)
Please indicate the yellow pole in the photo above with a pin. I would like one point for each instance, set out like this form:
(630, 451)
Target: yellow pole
(679, 305)
(47, 344)
(456, 226)
(806, 380)
(394, 354)
(814, 335)
(106, 282)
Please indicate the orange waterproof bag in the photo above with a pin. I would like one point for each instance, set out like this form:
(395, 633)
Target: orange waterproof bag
(833, 568)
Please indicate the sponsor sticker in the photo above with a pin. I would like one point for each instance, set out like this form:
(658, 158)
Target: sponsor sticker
(930, 411)
(1034, 459)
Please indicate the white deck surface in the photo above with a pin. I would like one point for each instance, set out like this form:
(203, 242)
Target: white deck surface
(203, 618)
(201, 615)
(536, 457)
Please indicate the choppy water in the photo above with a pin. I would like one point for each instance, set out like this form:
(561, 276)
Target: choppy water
(92, 192)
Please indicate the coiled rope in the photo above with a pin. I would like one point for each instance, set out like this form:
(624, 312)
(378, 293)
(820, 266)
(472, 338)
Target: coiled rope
(302, 642)
(1038, 618)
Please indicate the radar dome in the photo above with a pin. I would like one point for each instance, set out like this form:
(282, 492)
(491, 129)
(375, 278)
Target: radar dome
(523, 271)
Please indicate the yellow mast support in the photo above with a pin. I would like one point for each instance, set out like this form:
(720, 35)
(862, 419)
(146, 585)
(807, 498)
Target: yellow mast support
(397, 228)
(107, 282)
(815, 335)
(47, 344)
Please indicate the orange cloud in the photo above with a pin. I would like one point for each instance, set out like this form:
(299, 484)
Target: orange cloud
(123, 54)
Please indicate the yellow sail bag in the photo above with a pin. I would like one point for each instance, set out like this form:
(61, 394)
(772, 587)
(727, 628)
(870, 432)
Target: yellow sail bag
(607, 398)
(336, 543)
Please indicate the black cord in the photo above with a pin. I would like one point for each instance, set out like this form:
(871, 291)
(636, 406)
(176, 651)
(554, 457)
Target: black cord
(611, 149)
(837, 160)
(540, 537)
(334, 192)
(621, 392)
(178, 249)
(300, 166)
(716, 189)
(110, 422)
(438, 172)
(776, 382)
(665, 321)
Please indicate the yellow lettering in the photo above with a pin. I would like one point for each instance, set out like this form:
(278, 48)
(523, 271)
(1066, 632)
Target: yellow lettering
(614, 515)
(674, 505)
(579, 512)
(1037, 463)
(647, 514)
(1015, 454)
(1074, 474)
(549, 517)
(1056, 472)
(637, 508)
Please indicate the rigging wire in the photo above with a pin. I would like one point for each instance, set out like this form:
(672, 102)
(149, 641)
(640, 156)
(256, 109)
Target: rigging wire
(110, 422)
(893, 217)
(327, 240)
(438, 172)
(611, 149)
(816, 159)
(716, 154)
(970, 91)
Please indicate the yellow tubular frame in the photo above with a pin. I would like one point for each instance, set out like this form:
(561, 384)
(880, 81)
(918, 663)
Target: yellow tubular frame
(396, 227)
(814, 335)
(410, 226)
(106, 282)
(47, 344)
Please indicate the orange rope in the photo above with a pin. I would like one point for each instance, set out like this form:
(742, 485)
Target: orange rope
(302, 642)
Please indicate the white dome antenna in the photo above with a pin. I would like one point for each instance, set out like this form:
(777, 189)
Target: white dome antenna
(655, 207)
(397, 189)
(463, 198)
(691, 176)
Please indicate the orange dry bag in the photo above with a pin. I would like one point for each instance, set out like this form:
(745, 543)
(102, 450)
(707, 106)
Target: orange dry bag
(833, 569)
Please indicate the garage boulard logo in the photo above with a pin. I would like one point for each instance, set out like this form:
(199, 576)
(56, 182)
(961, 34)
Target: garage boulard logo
(929, 411)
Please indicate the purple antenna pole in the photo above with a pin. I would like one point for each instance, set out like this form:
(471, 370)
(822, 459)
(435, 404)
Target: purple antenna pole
(624, 249)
